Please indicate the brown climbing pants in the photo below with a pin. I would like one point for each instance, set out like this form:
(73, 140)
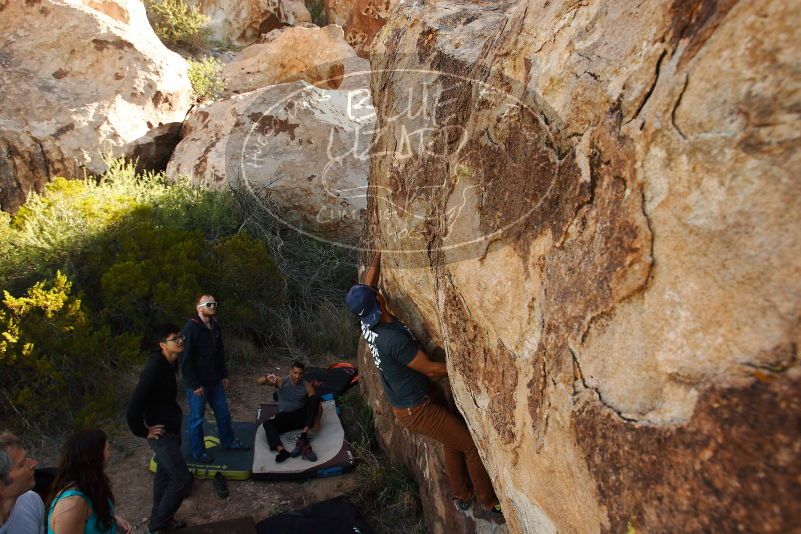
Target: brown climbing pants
(431, 419)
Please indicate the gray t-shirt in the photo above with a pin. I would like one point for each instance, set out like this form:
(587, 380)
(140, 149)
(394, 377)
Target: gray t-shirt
(291, 397)
(27, 515)
(393, 347)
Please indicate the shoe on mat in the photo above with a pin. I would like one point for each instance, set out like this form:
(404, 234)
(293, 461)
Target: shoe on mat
(461, 505)
(204, 458)
(308, 453)
(282, 455)
(237, 445)
(219, 485)
(302, 442)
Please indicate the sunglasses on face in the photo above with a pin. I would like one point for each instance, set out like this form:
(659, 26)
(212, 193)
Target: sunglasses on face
(177, 339)
(207, 304)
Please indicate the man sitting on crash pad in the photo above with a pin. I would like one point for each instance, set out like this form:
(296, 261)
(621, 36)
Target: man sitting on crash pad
(298, 407)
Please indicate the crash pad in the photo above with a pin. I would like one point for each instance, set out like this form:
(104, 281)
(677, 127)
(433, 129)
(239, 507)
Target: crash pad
(241, 525)
(334, 456)
(234, 465)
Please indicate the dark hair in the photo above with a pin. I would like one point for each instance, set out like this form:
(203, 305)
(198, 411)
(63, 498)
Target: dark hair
(81, 468)
(298, 365)
(162, 331)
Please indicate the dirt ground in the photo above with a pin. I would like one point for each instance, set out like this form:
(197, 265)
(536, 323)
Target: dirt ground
(132, 482)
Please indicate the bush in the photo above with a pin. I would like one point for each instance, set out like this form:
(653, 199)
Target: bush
(313, 318)
(388, 491)
(247, 282)
(206, 78)
(177, 24)
(317, 11)
(54, 360)
(138, 249)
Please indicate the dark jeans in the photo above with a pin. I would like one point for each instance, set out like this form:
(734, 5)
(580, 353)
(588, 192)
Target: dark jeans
(286, 421)
(173, 482)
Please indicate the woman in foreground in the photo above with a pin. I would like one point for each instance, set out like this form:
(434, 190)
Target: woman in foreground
(81, 501)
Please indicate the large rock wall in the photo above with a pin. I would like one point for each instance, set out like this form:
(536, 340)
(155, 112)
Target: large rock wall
(80, 79)
(592, 206)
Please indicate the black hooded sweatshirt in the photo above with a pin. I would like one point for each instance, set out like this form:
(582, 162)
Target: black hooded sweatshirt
(203, 359)
(153, 401)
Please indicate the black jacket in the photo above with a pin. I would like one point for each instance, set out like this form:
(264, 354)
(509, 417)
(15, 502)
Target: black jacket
(153, 402)
(203, 359)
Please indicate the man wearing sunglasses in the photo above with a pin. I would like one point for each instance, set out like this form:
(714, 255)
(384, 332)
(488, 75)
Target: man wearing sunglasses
(153, 413)
(205, 378)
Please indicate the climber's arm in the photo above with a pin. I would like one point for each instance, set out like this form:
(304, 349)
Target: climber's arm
(423, 364)
(374, 271)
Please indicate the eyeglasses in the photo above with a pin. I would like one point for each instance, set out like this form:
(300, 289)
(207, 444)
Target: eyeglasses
(207, 304)
(177, 339)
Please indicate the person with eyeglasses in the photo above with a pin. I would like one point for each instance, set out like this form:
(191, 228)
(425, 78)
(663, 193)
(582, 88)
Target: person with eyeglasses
(205, 377)
(154, 413)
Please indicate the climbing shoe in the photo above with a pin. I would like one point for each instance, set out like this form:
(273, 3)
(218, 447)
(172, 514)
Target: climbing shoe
(461, 505)
(307, 452)
(220, 485)
(299, 444)
(237, 445)
(282, 455)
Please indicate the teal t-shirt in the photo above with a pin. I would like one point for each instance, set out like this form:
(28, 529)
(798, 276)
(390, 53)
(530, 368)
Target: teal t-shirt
(393, 347)
(91, 526)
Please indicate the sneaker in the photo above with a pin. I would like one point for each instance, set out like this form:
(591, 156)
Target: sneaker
(237, 445)
(282, 455)
(302, 442)
(461, 505)
(219, 485)
(204, 458)
(308, 453)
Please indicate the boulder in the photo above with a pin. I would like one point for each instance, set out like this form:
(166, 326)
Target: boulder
(242, 22)
(79, 80)
(299, 150)
(593, 207)
(319, 56)
(361, 20)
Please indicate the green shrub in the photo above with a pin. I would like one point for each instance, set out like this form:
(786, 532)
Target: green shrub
(137, 249)
(317, 11)
(206, 78)
(54, 360)
(387, 491)
(248, 284)
(177, 24)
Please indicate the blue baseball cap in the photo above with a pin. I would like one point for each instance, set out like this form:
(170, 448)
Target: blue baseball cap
(361, 301)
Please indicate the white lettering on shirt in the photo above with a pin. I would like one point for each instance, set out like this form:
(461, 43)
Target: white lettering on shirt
(370, 337)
